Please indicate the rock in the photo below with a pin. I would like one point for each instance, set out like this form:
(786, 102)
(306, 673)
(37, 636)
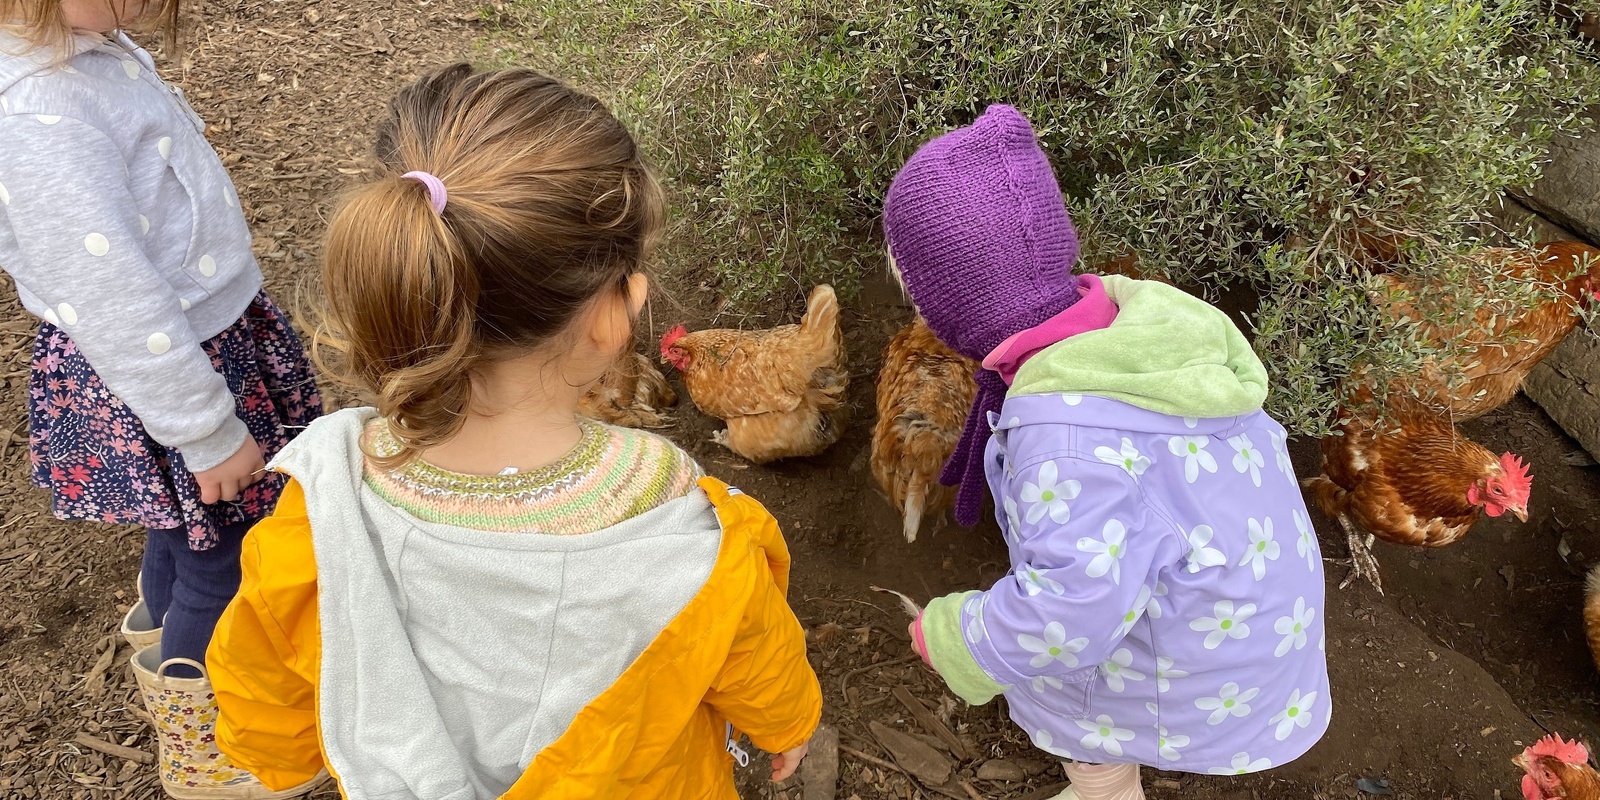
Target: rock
(1566, 192)
(819, 773)
(1567, 386)
(1000, 769)
(914, 755)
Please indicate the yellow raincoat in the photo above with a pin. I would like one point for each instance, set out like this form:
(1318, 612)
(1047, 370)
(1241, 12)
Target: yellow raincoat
(734, 655)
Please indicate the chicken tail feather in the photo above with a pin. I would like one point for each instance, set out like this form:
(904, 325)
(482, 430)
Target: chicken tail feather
(822, 312)
(916, 500)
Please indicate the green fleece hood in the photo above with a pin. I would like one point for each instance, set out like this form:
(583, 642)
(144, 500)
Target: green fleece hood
(1167, 351)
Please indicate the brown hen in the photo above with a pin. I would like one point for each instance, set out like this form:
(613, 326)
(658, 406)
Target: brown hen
(781, 391)
(631, 394)
(1404, 474)
(924, 393)
(1494, 353)
(1555, 769)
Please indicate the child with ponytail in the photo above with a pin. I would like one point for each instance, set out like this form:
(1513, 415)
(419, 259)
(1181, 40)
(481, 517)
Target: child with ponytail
(468, 591)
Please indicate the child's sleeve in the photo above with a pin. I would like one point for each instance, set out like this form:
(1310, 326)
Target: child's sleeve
(80, 232)
(266, 652)
(766, 687)
(1088, 549)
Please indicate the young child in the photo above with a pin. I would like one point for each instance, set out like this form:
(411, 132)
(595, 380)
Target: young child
(1163, 607)
(469, 592)
(162, 375)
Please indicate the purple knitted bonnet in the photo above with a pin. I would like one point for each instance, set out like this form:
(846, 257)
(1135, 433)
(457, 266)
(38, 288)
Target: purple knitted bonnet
(980, 235)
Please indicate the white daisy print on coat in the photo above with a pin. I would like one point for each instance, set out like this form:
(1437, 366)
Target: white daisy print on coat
(1305, 544)
(1129, 458)
(974, 608)
(1049, 496)
(1201, 556)
(1262, 548)
(1035, 582)
(1118, 671)
(1044, 683)
(1192, 449)
(1108, 549)
(1165, 673)
(1153, 608)
(1231, 701)
(1140, 606)
(1053, 647)
(1072, 399)
(1103, 734)
(1013, 526)
(1225, 623)
(1046, 741)
(1246, 458)
(1169, 744)
(1280, 450)
(1242, 764)
(1293, 628)
(1296, 714)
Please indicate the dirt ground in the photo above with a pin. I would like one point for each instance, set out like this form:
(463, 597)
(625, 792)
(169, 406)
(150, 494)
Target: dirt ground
(1476, 650)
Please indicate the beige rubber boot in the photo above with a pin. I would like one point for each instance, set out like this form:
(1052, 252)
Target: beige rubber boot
(138, 627)
(185, 714)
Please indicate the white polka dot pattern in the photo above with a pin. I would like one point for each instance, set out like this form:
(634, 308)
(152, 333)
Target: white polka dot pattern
(185, 304)
(47, 119)
(50, 317)
(97, 244)
(131, 67)
(5, 196)
(208, 266)
(144, 224)
(165, 146)
(159, 343)
(69, 315)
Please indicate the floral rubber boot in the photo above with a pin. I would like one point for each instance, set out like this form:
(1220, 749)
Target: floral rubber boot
(185, 714)
(138, 627)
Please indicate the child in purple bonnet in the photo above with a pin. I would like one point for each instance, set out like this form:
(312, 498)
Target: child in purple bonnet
(1164, 603)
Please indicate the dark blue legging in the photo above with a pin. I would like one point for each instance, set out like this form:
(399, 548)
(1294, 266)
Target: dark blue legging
(187, 590)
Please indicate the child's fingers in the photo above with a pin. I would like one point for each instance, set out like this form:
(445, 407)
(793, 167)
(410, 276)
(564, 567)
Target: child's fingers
(782, 768)
(210, 491)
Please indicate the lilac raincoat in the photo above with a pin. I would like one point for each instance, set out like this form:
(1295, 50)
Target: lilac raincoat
(1165, 601)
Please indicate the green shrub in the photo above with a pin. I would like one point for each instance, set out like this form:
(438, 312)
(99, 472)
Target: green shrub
(1225, 143)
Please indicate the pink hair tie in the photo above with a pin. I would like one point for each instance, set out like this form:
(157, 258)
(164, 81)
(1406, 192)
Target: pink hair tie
(437, 196)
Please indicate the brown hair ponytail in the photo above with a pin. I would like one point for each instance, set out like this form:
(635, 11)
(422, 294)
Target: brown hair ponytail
(549, 204)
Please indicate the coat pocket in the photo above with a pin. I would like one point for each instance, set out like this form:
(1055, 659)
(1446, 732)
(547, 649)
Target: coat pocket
(1067, 698)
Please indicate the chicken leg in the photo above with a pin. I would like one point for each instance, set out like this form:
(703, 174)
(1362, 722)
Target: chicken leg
(1362, 562)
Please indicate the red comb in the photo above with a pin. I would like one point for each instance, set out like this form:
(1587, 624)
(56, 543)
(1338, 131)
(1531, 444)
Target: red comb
(672, 338)
(1553, 746)
(1516, 470)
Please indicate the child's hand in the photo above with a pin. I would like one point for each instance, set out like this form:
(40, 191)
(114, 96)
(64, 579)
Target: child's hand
(784, 764)
(227, 480)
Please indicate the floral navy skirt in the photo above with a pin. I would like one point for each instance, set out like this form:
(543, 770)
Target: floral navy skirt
(101, 465)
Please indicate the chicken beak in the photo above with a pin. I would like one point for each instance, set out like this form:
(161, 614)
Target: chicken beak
(1520, 513)
(1521, 761)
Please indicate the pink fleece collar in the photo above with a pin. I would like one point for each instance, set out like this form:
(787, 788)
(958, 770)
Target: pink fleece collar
(1093, 311)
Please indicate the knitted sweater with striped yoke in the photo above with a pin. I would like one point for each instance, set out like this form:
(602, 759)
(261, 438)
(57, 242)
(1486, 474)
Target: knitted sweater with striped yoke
(606, 626)
(614, 474)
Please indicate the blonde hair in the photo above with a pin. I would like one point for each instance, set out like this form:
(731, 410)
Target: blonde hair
(550, 205)
(41, 24)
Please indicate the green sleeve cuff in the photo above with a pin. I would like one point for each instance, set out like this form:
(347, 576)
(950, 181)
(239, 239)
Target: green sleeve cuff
(947, 649)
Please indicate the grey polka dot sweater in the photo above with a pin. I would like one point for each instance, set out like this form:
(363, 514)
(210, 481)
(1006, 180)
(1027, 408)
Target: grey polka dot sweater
(120, 225)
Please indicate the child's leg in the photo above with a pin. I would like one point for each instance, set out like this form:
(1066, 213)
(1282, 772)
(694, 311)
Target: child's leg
(156, 571)
(1104, 782)
(206, 582)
